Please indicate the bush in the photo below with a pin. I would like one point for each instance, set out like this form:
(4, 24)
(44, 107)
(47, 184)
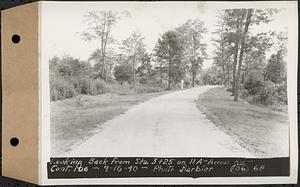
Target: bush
(253, 85)
(98, 86)
(62, 89)
(264, 91)
(143, 80)
(123, 72)
(281, 90)
(122, 89)
(139, 89)
(82, 85)
(187, 82)
(268, 95)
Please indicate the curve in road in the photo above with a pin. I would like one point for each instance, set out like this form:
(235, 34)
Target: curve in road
(166, 126)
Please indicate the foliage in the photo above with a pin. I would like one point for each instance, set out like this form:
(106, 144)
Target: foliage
(134, 49)
(241, 57)
(99, 25)
(61, 89)
(266, 92)
(253, 84)
(212, 76)
(124, 73)
(146, 72)
(70, 77)
(169, 53)
(147, 88)
(275, 70)
(102, 70)
(191, 36)
(98, 86)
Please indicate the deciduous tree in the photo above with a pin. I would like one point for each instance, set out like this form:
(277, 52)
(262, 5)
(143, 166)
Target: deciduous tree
(99, 25)
(169, 53)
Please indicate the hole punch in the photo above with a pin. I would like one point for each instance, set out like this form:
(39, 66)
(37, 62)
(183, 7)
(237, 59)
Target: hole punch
(14, 141)
(16, 38)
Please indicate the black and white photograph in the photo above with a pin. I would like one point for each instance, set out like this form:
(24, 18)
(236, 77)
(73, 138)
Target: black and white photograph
(170, 79)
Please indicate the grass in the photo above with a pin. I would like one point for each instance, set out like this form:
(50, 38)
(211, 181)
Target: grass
(75, 120)
(259, 129)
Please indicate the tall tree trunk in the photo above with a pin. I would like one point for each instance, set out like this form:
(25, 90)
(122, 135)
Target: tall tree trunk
(236, 50)
(169, 82)
(104, 68)
(224, 75)
(223, 64)
(193, 79)
(222, 56)
(103, 72)
(248, 21)
(194, 65)
(235, 56)
(133, 69)
(194, 74)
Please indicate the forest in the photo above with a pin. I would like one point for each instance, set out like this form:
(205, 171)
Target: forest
(250, 64)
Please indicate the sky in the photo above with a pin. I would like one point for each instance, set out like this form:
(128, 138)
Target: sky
(62, 23)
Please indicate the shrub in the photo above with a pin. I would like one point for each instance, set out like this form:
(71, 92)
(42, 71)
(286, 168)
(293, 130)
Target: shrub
(281, 90)
(122, 89)
(82, 85)
(123, 72)
(62, 89)
(267, 95)
(253, 85)
(98, 86)
(187, 82)
(139, 89)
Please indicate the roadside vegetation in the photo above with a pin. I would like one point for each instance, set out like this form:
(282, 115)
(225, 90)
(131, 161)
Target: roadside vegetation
(250, 64)
(252, 104)
(127, 67)
(259, 129)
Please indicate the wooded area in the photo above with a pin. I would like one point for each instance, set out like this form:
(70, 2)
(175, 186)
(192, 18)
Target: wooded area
(240, 59)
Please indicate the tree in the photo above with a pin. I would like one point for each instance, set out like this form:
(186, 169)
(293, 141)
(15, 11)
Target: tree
(96, 59)
(255, 55)
(124, 73)
(191, 38)
(222, 55)
(99, 26)
(212, 76)
(238, 22)
(233, 23)
(68, 76)
(275, 70)
(145, 71)
(241, 53)
(169, 53)
(134, 50)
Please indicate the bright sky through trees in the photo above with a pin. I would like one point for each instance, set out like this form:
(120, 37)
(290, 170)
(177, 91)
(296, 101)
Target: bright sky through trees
(63, 22)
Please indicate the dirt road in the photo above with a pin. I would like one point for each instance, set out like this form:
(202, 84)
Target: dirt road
(168, 125)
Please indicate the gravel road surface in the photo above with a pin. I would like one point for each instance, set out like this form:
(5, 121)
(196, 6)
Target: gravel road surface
(169, 125)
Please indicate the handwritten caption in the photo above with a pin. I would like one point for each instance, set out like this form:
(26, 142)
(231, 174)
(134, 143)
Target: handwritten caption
(96, 167)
